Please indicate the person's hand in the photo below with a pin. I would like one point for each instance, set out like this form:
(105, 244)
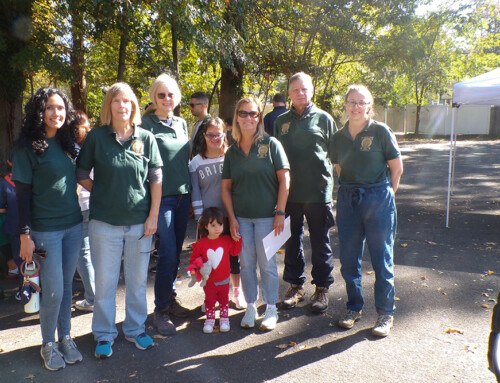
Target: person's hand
(150, 226)
(27, 248)
(234, 228)
(279, 224)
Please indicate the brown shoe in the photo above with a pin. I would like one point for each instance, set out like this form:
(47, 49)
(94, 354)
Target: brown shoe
(163, 323)
(319, 301)
(294, 295)
(176, 309)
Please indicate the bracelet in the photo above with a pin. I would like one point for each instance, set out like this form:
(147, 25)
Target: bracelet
(279, 212)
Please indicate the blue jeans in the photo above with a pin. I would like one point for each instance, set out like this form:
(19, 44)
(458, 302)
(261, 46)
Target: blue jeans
(57, 270)
(107, 244)
(84, 265)
(172, 225)
(319, 220)
(252, 253)
(367, 213)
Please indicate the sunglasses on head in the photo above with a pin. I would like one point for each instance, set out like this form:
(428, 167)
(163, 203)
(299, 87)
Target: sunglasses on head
(245, 114)
(161, 96)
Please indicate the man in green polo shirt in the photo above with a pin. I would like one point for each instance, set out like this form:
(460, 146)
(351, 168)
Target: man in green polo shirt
(306, 133)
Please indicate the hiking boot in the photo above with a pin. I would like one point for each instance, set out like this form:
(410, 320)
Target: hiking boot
(142, 341)
(103, 349)
(319, 300)
(52, 357)
(383, 325)
(250, 317)
(294, 295)
(163, 323)
(270, 319)
(84, 305)
(175, 309)
(350, 317)
(68, 349)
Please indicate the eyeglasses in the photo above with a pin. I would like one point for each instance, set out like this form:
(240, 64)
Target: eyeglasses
(156, 239)
(362, 104)
(245, 114)
(192, 105)
(211, 136)
(41, 252)
(161, 96)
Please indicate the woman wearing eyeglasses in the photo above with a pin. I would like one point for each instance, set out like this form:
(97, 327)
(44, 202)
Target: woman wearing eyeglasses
(368, 161)
(171, 134)
(255, 183)
(206, 173)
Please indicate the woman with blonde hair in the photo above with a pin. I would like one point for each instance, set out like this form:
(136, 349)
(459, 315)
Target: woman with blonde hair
(124, 203)
(172, 136)
(255, 183)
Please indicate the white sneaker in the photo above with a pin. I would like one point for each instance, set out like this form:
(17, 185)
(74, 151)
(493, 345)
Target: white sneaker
(250, 317)
(84, 305)
(270, 319)
(239, 300)
(224, 325)
(208, 326)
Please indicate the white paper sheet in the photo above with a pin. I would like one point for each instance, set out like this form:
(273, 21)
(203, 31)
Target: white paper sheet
(273, 243)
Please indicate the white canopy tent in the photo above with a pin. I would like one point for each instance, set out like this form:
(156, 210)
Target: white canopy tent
(480, 90)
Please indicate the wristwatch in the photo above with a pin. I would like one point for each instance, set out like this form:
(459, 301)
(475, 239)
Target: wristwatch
(279, 212)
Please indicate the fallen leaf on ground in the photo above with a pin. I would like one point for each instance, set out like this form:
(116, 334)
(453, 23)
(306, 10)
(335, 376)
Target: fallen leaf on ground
(159, 336)
(485, 295)
(471, 348)
(404, 245)
(286, 345)
(281, 251)
(30, 376)
(489, 272)
(423, 277)
(431, 243)
(397, 299)
(485, 306)
(369, 272)
(454, 331)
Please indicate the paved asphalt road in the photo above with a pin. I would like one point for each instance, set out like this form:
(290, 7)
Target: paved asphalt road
(445, 282)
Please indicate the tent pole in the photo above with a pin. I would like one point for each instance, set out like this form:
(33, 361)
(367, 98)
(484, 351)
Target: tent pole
(450, 166)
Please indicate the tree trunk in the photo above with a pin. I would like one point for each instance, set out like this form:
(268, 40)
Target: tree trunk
(231, 88)
(79, 86)
(175, 59)
(123, 43)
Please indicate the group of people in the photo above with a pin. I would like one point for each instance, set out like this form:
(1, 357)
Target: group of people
(144, 174)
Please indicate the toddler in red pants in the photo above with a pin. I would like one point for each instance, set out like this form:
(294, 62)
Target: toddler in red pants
(214, 248)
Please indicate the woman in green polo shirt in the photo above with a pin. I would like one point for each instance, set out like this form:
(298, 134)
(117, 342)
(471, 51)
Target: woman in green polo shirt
(49, 215)
(124, 202)
(255, 183)
(366, 155)
(173, 141)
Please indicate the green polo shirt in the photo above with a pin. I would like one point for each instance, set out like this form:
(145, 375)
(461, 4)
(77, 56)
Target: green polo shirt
(120, 195)
(306, 140)
(173, 142)
(52, 176)
(254, 179)
(364, 160)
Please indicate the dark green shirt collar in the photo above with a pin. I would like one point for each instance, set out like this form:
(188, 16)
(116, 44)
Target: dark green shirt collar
(307, 110)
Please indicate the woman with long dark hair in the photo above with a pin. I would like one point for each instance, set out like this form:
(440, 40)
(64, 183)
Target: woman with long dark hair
(49, 215)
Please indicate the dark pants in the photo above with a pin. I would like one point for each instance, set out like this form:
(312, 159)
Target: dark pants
(320, 220)
(172, 225)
